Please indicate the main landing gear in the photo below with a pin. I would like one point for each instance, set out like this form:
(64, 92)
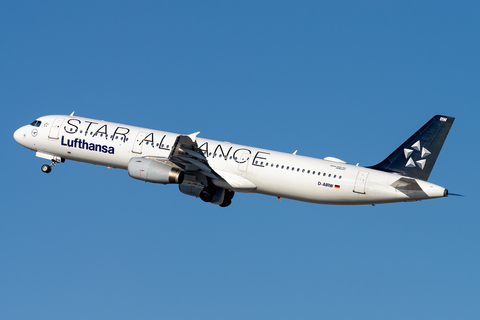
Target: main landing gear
(228, 198)
(47, 168)
(217, 196)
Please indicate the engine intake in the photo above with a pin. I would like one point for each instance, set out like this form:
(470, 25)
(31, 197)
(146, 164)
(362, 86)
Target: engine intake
(153, 171)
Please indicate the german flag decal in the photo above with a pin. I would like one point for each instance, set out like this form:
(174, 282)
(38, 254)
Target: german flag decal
(337, 186)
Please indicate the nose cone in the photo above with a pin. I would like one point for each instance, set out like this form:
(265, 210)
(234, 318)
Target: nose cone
(20, 136)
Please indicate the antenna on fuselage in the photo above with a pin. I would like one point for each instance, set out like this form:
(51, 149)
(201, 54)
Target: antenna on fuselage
(71, 114)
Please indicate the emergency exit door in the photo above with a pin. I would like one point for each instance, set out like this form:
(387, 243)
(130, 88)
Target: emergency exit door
(138, 143)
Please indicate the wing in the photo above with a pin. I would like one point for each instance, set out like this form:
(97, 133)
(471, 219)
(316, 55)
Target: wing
(186, 154)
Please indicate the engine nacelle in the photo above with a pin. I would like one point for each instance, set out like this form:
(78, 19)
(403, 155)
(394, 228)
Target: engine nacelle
(153, 171)
(212, 194)
(191, 188)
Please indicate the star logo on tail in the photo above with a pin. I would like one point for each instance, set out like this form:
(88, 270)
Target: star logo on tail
(420, 163)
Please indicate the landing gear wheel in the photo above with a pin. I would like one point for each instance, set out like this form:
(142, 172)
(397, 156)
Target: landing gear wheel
(206, 196)
(228, 198)
(46, 168)
(226, 203)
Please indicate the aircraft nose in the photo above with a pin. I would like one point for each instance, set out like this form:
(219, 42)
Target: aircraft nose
(19, 135)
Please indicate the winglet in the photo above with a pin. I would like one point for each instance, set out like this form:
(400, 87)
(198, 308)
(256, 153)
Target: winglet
(193, 136)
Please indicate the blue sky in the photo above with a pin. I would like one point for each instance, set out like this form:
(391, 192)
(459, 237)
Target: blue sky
(344, 79)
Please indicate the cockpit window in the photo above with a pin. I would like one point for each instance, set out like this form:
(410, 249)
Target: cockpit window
(36, 123)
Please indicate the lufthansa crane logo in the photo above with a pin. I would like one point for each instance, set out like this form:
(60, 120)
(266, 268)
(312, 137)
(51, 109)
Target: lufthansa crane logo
(34, 132)
(420, 163)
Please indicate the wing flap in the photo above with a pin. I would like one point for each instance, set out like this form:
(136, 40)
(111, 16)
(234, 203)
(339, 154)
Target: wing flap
(194, 154)
(197, 163)
(186, 154)
(233, 181)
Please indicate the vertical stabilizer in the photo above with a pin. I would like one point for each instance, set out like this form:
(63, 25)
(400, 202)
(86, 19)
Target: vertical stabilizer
(416, 157)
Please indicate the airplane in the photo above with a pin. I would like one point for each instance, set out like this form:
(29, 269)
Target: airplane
(214, 170)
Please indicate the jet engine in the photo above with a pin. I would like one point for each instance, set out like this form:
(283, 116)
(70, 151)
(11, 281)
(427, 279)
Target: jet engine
(153, 171)
(212, 194)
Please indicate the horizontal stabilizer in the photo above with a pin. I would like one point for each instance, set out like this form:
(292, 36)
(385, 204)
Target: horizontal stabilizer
(406, 184)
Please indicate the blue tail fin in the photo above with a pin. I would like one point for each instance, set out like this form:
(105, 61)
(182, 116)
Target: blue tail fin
(416, 157)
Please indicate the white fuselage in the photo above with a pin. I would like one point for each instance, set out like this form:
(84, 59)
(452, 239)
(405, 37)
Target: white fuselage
(268, 172)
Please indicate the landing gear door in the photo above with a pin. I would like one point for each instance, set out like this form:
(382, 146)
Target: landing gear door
(360, 182)
(55, 129)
